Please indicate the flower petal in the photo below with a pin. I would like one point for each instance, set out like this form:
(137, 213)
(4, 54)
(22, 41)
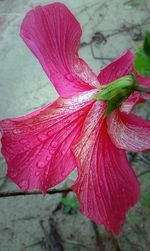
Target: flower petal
(106, 186)
(37, 146)
(53, 35)
(129, 104)
(117, 69)
(142, 80)
(128, 131)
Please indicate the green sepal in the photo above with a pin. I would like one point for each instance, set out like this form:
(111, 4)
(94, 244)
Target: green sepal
(112, 105)
(121, 87)
(116, 92)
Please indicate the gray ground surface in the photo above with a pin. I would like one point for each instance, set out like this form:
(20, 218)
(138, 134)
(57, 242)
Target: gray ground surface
(24, 220)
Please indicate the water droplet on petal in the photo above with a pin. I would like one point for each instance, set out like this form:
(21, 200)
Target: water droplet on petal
(13, 174)
(24, 184)
(48, 158)
(70, 77)
(46, 172)
(42, 137)
(54, 144)
(37, 173)
(108, 222)
(119, 74)
(6, 122)
(63, 175)
(26, 147)
(63, 152)
(51, 151)
(101, 182)
(16, 131)
(97, 194)
(40, 164)
(23, 141)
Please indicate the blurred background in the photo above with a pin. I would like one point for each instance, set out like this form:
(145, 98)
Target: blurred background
(36, 223)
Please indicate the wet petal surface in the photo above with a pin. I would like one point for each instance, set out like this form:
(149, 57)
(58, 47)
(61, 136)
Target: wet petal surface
(128, 131)
(106, 186)
(117, 69)
(37, 147)
(53, 35)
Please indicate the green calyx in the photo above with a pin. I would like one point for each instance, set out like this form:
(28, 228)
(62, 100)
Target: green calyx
(116, 92)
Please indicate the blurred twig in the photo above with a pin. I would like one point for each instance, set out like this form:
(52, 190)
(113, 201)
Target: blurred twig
(109, 236)
(23, 193)
(99, 240)
(52, 237)
(132, 157)
(146, 161)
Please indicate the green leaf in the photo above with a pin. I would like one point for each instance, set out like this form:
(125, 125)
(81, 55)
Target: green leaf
(135, 219)
(69, 203)
(147, 175)
(65, 201)
(142, 63)
(145, 200)
(142, 59)
(146, 45)
(74, 203)
(67, 209)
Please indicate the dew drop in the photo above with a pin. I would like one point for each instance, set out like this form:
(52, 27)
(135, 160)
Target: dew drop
(42, 137)
(63, 152)
(24, 184)
(26, 147)
(97, 193)
(70, 77)
(23, 141)
(118, 74)
(101, 182)
(40, 164)
(54, 144)
(48, 158)
(13, 174)
(6, 122)
(51, 151)
(46, 173)
(16, 131)
(37, 173)
(63, 175)
(49, 134)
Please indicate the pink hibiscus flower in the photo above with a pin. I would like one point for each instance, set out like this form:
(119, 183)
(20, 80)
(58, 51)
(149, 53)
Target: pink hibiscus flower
(44, 147)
